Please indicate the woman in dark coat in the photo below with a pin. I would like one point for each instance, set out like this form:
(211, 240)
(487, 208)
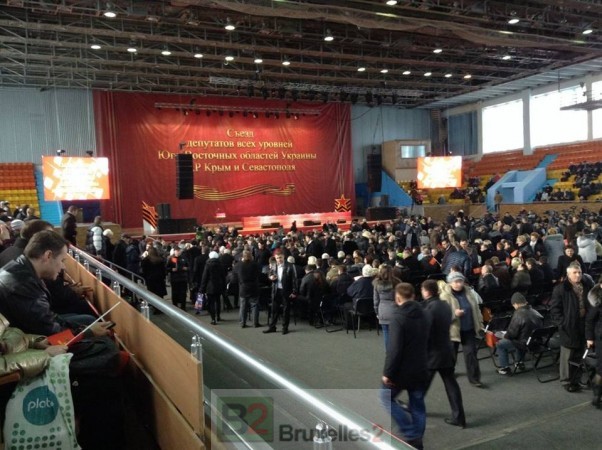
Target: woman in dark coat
(593, 334)
(153, 271)
(384, 298)
(213, 284)
(177, 267)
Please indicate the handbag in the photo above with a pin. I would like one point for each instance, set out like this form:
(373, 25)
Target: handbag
(491, 339)
(97, 356)
(41, 409)
(200, 302)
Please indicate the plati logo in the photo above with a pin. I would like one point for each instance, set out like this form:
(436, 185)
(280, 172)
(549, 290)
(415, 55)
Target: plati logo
(40, 406)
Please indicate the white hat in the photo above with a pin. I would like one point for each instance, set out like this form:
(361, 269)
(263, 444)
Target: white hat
(325, 256)
(341, 254)
(312, 260)
(290, 259)
(213, 255)
(17, 224)
(367, 271)
(108, 232)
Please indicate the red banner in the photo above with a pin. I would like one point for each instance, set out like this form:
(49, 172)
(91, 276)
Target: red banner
(243, 165)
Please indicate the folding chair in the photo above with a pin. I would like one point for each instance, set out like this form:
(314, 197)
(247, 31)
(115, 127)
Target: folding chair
(362, 307)
(587, 367)
(329, 311)
(538, 347)
(497, 323)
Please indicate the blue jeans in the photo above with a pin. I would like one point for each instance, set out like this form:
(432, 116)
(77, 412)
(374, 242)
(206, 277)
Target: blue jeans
(78, 319)
(505, 346)
(411, 422)
(385, 329)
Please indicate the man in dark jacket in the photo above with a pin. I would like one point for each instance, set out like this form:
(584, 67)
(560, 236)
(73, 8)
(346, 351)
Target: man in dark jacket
(524, 320)
(441, 356)
(247, 273)
(284, 289)
(406, 365)
(16, 250)
(568, 309)
(69, 224)
(213, 283)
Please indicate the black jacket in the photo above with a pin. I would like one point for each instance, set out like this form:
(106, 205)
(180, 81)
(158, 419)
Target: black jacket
(564, 310)
(13, 252)
(593, 321)
(440, 349)
(24, 299)
(523, 322)
(289, 281)
(406, 360)
(247, 274)
(214, 278)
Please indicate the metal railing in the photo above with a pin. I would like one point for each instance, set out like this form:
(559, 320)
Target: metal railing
(226, 366)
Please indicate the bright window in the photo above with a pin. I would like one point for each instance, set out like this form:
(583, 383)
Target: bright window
(503, 127)
(551, 125)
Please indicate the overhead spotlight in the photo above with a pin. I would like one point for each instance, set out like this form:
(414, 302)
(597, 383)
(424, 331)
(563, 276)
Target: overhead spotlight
(587, 31)
(229, 57)
(506, 57)
(110, 11)
(437, 50)
(61, 152)
(384, 71)
(132, 48)
(361, 69)
(95, 46)
(391, 2)
(328, 37)
(406, 72)
(90, 153)
(258, 59)
(427, 74)
(229, 25)
(467, 76)
(286, 62)
(448, 75)
(165, 51)
(513, 19)
(198, 55)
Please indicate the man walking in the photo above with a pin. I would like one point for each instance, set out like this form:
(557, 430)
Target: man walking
(406, 365)
(284, 289)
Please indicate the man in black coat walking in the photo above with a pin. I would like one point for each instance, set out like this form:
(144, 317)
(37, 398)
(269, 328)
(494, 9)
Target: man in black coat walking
(284, 290)
(247, 273)
(568, 309)
(441, 354)
(406, 365)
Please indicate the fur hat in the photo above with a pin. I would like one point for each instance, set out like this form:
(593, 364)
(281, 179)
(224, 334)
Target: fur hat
(455, 276)
(368, 271)
(595, 296)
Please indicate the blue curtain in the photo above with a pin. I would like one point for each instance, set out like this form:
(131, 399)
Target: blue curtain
(462, 134)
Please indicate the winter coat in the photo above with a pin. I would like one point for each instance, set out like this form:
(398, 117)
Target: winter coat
(440, 349)
(524, 320)
(384, 300)
(446, 295)
(587, 248)
(564, 309)
(214, 278)
(406, 360)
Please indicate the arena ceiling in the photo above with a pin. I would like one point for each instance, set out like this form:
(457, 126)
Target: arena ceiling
(416, 53)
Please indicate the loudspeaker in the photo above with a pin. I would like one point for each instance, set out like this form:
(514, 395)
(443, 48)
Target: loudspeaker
(164, 210)
(176, 226)
(184, 181)
(381, 213)
(374, 166)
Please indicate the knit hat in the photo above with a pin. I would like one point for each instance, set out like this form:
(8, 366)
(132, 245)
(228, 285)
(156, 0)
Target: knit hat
(455, 276)
(325, 256)
(213, 255)
(367, 271)
(519, 298)
(312, 260)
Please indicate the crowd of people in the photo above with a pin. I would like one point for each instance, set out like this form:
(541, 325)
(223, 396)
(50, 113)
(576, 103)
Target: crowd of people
(413, 269)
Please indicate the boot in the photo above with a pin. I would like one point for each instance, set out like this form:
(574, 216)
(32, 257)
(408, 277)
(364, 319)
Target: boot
(597, 390)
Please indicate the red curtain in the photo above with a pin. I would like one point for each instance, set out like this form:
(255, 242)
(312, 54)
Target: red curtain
(243, 166)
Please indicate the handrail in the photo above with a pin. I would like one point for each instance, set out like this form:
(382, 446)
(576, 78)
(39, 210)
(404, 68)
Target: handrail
(271, 373)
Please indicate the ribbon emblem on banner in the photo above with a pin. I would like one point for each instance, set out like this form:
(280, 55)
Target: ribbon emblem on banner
(213, 194)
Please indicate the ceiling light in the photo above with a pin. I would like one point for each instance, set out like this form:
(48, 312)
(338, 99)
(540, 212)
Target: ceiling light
(132, 49)
(361, 69)
(165, 52)
(448, 75)
(514, 21)
(438, 50)
(391, 2)
(286, 62)
(427, 74)
(258, 60)
(328, 37)
(229, 25)
(109, 11)
(406, 72)
(95, 47)
(229, 58)
(467, 76)
(506, 57)
(384, 71)
(198, 55)
(587, 31)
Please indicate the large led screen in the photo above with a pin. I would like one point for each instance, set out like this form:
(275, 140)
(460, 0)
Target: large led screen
(75, 178)
(439, 172)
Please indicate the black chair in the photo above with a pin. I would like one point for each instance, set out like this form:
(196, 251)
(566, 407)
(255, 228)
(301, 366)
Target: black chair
(331, 314)
(539, 347)
(362, 307)
(497, 323)
(585, 370)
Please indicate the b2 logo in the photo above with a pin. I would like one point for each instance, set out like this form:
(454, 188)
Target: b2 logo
(40, 406)
(251, 417)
